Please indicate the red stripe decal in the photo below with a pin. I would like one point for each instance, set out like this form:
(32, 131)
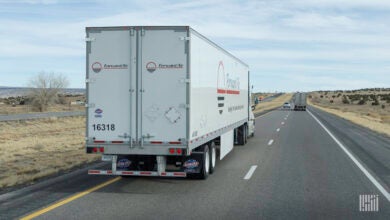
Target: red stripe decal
(145, 173)
(109, 171)
(93, 171)
(99, 142)
(179, 174)
(228, 91)
(174, 142)
(221, 91)
(235, 92)
(156, 142)
(127, 172)
(117, 142)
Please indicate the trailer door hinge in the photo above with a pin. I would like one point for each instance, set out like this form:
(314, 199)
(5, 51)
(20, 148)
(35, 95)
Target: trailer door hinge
(147, 136)
(185, 80)
(184, 38)
(90, 105)
(89, 39)
(91, 80)
(184, 105)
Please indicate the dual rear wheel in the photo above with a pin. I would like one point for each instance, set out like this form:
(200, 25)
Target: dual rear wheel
(209, 159)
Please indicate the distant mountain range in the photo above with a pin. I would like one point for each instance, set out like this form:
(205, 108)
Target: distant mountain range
(6, 92)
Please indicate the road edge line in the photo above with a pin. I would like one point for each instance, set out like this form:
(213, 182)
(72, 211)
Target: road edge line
(69, 199)
(357, 163)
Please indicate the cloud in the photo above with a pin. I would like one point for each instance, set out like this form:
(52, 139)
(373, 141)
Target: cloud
(33, 2)
(276, 37)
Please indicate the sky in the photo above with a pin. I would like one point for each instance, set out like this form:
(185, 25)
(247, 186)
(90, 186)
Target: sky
(289, 45)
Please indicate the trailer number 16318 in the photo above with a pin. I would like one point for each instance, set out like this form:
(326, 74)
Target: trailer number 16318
(103, 127)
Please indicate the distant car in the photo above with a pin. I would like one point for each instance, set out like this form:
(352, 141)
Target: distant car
(286, 105)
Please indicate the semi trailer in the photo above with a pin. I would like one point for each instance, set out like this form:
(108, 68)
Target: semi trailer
(300, 101)
(163, 101)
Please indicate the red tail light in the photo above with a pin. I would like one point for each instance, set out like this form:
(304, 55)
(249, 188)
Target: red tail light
(95, 149)
(101, 150)
(171, 150)
(178, 151)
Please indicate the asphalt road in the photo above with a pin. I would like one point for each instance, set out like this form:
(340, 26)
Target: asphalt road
(15, 117)
(302, 173)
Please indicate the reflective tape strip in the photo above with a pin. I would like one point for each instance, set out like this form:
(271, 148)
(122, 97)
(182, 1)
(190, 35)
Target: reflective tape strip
(136, 173)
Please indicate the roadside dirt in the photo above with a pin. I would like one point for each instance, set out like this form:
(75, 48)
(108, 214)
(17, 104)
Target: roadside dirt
(375, 118)
(277, 102)
(34, 149)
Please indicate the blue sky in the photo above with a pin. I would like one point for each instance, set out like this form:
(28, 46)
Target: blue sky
(289, 45)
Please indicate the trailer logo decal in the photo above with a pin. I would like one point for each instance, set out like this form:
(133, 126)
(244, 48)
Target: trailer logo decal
(191, 164)
(220, 86)
(115, 66)
(97, 67)
(151, 67)
(123, 163)
(98, 113)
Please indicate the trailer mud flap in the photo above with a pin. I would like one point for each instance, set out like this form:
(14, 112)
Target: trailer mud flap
(193, 163)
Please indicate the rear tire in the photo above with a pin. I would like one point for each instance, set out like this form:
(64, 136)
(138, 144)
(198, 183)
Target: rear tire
(204, 172)
(245, 134)
(213, 157)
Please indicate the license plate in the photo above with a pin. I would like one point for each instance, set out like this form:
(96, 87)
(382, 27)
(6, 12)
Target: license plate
(106, 157)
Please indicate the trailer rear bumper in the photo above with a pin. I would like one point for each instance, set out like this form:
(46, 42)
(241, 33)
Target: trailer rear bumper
(136, 173)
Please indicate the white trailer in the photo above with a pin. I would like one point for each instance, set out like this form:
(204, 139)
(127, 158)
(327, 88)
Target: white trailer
(163, 101)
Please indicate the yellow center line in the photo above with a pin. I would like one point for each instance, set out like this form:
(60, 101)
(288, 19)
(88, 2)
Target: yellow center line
(65, 201)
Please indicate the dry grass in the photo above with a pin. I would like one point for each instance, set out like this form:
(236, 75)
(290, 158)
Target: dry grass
(20, 109)
(37, 148)
(277, 102)
(8, 109)
(372, 117)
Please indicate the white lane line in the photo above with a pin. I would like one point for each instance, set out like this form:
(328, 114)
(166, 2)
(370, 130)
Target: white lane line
(357, 163)
(270, 142)
(282, 122)
(277, 130)
(250, 172)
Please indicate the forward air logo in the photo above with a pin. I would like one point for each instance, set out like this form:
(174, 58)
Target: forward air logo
(97, 67)
(220, 87)
(226, 85)
(152, 66)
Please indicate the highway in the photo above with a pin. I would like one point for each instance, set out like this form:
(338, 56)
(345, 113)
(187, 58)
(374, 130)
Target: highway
(299, 165)
(15, 117)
